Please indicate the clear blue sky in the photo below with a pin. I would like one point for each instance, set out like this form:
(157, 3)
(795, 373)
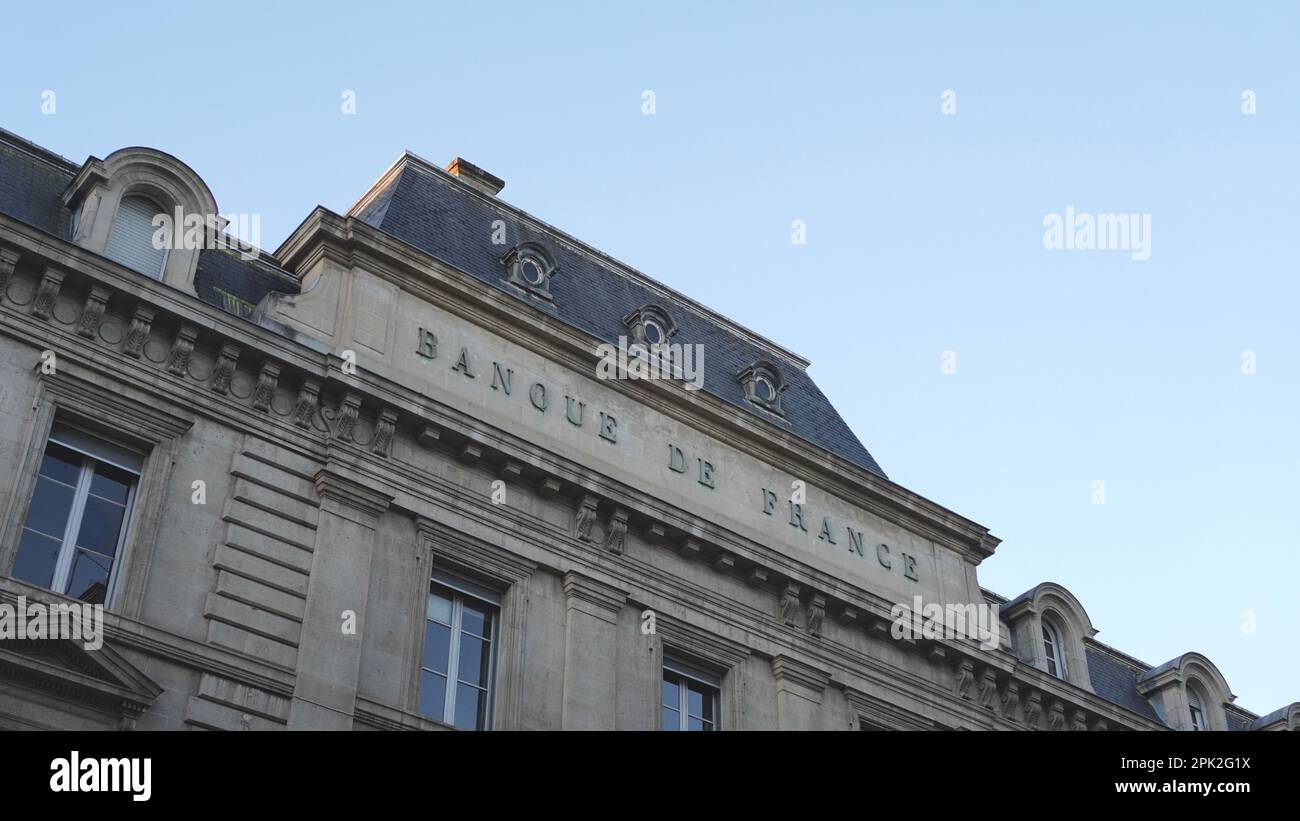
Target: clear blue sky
(924, 231)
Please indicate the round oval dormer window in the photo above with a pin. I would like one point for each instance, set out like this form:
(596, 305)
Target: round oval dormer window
(531, 270)
(654, 333)
(764, 389)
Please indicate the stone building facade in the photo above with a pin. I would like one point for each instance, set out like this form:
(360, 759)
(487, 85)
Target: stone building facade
(376, 480)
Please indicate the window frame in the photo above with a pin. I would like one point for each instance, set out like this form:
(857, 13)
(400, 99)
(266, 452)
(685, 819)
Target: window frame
(685, 673)
(460, 589)
(1053, 651)
(94, 449)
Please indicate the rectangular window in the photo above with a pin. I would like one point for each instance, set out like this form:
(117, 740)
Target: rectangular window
(456, 668)
(79, 514)
(690, 698)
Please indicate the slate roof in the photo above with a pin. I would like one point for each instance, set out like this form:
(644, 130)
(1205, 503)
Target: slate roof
(441, 216)
(32, 182)
(1116, 681)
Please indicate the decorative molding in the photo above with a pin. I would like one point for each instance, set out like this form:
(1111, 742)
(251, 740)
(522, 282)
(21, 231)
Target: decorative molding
(92, 313)
(816, 613)
(988, 688)
(133, 418)
(304, 408)
(384, 430)
(789, 671)
(788, 605)
(333, 485)
(1011, 701)
(584, 517)
(966, 679)
(593, 596)
(8, 261)
(756, 577)
(267, 379)
(47, 292)
(227, 361)
(1078, 721)
(141, 323)
(1033, 709)
(616, 541)
(428, 436)
(885, 715)
(178, 361)
(1056, 716)
(689, 549)
(349, 410)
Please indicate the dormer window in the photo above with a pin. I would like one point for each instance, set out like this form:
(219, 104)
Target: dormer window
(138, 207)
(131, 240)
(763, 385)
(530, 267)
(650, 325)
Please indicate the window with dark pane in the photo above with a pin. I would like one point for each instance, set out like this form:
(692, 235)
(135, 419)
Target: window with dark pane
(78, 514)
(689, 698)
(457, 662)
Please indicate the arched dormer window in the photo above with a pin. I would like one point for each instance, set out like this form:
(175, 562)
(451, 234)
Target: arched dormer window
(650, 325)
(1188, 693)
(763, 386)
(131, 239)
(530, 267)
(115, 200)
(1053, 650)
(1049, 630)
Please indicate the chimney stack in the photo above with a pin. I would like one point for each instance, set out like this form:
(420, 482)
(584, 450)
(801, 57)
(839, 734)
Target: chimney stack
(475, 176)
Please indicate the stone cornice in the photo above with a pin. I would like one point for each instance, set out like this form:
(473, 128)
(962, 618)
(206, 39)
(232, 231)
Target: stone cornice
(336, 483)
(582, 590)
(788, 670)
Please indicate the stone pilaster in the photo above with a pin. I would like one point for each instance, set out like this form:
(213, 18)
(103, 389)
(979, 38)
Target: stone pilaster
(329, 656)
(590, 632)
